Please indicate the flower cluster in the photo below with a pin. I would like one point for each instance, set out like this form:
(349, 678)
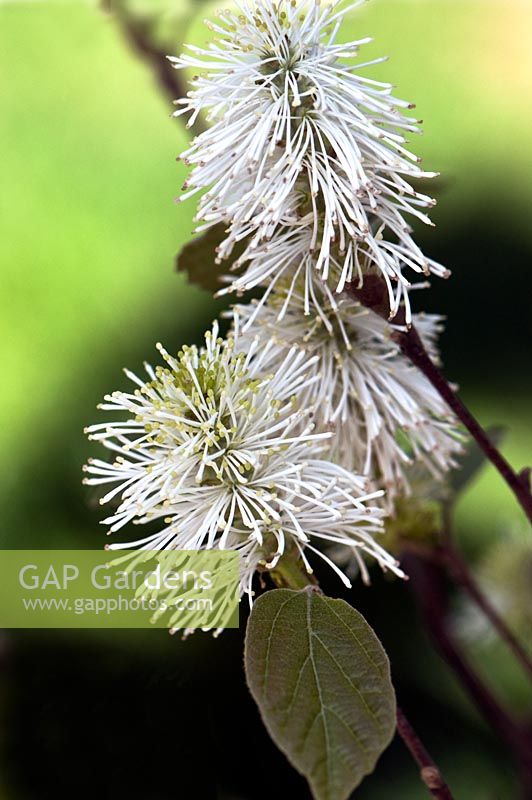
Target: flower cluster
(384, 412)
(304, 149)
(218, 450)
(297, 433)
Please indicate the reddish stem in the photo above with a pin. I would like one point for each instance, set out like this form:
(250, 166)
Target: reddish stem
(429, 772)
(373, 295)
(428, 585)
(139, 36)
(461, 574)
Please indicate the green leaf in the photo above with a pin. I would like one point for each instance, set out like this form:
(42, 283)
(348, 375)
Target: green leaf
(322, 682)
(473, 460)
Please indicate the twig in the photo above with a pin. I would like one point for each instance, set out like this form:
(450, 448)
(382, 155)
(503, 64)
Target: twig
(447, 555)
(373, 294)
(428, 585)
(137, 33)
(429, 772)
(427, 582)
(412, 346)
(462, 575)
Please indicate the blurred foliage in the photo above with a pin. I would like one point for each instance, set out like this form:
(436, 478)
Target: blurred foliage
(88, 235)
(504, 573)
(88, 232)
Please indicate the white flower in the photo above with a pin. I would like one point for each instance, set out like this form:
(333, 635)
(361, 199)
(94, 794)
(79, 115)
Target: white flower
(299, 137)
(218, 453)
(289, 260)
(385, 413)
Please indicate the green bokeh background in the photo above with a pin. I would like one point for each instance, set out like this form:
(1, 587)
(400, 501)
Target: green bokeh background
(88, 234)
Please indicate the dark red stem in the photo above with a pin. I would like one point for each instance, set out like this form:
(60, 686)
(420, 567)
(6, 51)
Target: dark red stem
(139, 36)
(373, 295)
(429, 772)
(462, 576)
(427, 581)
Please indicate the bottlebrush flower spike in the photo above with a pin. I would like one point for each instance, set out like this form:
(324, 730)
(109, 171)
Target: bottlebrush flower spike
(299, 136)
(218, 452)
(385, 413)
